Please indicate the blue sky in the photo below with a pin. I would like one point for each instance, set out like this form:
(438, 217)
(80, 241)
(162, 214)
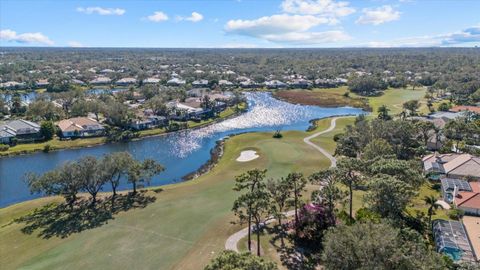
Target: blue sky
(240, 23)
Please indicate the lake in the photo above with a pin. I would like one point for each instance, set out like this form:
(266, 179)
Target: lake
(181, 153)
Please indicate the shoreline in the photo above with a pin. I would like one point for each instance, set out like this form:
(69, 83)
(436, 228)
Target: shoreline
(103, 142)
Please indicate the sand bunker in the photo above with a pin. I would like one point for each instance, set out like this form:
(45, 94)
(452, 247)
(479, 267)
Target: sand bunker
(247, 156)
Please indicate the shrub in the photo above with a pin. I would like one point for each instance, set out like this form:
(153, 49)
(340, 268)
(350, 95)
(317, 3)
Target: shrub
(47, 148)
(4, 147)
(456, 213)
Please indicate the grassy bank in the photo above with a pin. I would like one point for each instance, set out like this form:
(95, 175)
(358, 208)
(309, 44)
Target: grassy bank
(183, 229)
(57, 144)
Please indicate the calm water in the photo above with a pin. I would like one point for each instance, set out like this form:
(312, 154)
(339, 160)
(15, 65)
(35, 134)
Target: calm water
(181, 153)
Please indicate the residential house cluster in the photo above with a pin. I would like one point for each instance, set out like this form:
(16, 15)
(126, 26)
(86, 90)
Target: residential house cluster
(459, 175)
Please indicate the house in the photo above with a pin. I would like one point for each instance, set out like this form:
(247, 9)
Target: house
(149, 121)
(451, 187)
(175, 82)
(191, 108)
(275, 84)
(474, 109)
(469, 201)
(13, 85)
(446, 116)
(80, 127)
(460, 166)
(225, 83)
(248, 84)
(151, 80)
(101, 80)
(21, 129)
(6, 135)
(300, 83)
(197, 92)
(452, 240)
(472, 226)
(42, 83)
(78, 82)
(126, 81)
(200, 83)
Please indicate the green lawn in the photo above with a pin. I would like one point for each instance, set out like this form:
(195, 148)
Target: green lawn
(186, 226)
(394, 99)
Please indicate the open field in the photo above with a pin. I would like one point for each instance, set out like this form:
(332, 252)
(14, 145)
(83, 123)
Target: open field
(328, 97)
(334, 97)
(183, 229)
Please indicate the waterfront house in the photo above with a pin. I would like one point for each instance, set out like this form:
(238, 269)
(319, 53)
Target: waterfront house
(275, 84)
(22, 130)
(148, 122)
(80, 127)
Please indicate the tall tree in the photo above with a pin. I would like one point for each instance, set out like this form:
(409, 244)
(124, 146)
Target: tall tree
(90, 176)
(388, 196)
(64, 181)
(329, 193)
(297, 185)
(349, 174)
(114, 166)
(431, 202)
(142, 172)
(383, 113)
(250, 181)
(280, 194)
(367, 245)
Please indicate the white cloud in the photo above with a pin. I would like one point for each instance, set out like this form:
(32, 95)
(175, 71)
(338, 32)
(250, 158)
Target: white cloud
(328, 8)
(377, 16)
(309, 37)
(195, 17)
(101, 11)
(285, 28)
(75, 44)
(10, 35)
(158, 16)
(276, 24)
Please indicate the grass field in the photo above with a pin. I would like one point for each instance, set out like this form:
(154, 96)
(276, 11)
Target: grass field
(325, 97)
(183, 229)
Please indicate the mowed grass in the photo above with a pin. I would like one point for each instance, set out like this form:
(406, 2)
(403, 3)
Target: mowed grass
(394, 98)
(183, 229)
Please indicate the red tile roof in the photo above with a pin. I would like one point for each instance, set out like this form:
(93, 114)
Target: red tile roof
(474, 109)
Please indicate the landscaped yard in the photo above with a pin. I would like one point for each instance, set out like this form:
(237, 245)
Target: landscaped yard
(183, 229)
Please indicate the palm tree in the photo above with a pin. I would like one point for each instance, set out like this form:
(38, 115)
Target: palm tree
(431, 202)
